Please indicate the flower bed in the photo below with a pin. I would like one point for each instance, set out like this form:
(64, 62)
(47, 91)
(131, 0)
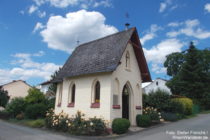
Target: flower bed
(78, 124)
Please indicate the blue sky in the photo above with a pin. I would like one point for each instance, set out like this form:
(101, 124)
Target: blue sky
(37, 36)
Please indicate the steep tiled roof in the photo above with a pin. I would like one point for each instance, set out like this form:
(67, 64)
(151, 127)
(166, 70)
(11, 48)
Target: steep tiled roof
(101, 55)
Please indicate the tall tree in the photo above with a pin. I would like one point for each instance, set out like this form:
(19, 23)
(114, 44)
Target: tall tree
(53, 87)
(190, 72)
(4, 98)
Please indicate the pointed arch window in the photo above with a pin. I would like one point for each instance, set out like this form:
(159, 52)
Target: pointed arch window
(127, 60)
(116, 94)
(97, 92)
(60, 94)
(71, 98)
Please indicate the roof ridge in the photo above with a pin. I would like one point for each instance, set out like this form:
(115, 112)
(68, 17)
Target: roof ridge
(133, 28)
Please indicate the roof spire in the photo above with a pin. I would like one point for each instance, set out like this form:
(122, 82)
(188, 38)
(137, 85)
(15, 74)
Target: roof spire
(78, 42)
(127, 24)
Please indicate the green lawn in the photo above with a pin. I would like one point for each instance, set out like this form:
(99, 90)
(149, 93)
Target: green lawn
(32, 123)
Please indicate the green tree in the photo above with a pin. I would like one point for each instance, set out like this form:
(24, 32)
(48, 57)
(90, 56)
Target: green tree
(190, 71)
(53, 87)
(4, 98)
(174, 62)
(35, 96)
(16, 106)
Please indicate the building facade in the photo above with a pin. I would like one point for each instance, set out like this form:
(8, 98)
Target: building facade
(108, 83)
(155, 85)
(16, 88)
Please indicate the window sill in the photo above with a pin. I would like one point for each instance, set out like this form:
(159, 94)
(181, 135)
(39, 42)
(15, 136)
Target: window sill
(116, 106)
(95, 105)
(138, 107)
(59, 105)
(70, 105)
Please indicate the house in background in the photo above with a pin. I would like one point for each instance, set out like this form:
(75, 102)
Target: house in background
(155, 85)
(103, 78)
(16, 88)
(44, 86)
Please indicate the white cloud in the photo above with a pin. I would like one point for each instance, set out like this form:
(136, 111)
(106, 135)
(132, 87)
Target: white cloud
(82, 3)
(25, 68)
(174, 24)
(207, 7)
(62, 33)
(32, 9)
(38, 26)
(150, 34)
(105, 3)
(191, 28)
(158, 68)
(157, 54)
(164, 5)
(41, 14)
(147, 37)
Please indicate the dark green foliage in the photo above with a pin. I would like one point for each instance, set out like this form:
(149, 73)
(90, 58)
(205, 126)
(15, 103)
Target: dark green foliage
(145, 100)
(34, 111)
(5, 115)
(120, 125)
(195, 109)
(205, 101)
(175, 107)
(97, 126)
(53, 87)
(4, 98)
(170, 116)
(35, 96)
(20, 116)
(16, 106)
(158, 99)
(183, 106)
(36, 123)
(193, 75)
(143, 120)
(173, 63)
(50, 103)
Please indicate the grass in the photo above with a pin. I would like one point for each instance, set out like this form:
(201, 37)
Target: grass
(205, 112)
(31, 123)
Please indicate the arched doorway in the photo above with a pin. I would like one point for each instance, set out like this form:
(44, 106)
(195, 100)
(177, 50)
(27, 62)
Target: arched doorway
(125, 102)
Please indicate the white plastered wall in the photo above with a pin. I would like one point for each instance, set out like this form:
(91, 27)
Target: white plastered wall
(133, 78)
(83, 95)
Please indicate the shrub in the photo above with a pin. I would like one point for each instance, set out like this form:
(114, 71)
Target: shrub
(186, 103)
(16, 106)
(175, 107)
(120, 125)
(50, 103)
(36, 123)
(4, 98)
(205, 101)
(158, 99)
(20, 116)
(75, 125)
(97, 126)
(35, 111)
(35, 96)
(4, 115)
(153, 113)
(143, 120)
(195, 109)
(169, 116)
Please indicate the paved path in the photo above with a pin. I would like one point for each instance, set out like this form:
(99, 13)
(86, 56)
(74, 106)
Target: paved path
(200, 124)
(180, 128)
